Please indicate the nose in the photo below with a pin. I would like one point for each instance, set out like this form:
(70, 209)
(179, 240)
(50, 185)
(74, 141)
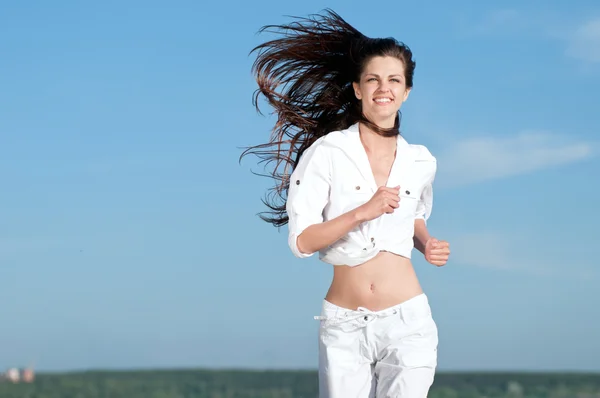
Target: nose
(384, 87)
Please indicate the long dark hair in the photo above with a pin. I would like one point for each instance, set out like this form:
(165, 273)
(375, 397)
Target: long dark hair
(313, 65)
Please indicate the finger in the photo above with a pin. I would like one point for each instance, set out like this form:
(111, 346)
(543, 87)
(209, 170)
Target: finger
(383, 188)
(436, 256)
(434, 242)
(439, 258)
(393, 191)
(392, 204)
(438, 263)
(434, 253)
(392, 197)
(438, 252)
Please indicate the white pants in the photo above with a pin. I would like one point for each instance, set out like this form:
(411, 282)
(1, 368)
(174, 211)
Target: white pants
(388, 353)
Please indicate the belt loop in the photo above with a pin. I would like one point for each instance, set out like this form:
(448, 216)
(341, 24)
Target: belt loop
(400, 312)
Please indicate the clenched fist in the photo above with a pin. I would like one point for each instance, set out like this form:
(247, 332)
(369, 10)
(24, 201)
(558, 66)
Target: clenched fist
(385, 200)
(437, 252)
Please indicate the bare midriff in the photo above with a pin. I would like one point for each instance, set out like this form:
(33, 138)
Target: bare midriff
(380, 283)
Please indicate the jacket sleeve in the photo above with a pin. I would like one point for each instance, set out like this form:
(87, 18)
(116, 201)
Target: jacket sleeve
(308, 194)
(425, 204)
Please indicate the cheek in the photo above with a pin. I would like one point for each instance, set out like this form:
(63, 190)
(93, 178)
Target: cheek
(401, 94)
(369, 89)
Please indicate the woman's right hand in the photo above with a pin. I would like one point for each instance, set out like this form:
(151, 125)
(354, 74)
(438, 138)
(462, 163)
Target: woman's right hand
(385, 200)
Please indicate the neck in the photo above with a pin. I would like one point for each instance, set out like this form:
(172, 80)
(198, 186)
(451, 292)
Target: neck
(384, 123)
(375, 143)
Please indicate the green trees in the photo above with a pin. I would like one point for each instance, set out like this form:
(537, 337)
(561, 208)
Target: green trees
(285, 384)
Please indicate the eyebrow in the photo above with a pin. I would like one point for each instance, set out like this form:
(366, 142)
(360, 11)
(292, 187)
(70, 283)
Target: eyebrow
(376, 75)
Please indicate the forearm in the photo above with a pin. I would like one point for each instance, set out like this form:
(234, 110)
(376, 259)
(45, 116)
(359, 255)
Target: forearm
(421, 235)
(319, 236)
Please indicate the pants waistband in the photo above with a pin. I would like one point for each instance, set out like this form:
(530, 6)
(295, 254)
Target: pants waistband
(412, 308)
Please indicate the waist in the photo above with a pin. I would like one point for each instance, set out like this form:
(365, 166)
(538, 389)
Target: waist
(384, 281)
(356, 250)
(413, 308)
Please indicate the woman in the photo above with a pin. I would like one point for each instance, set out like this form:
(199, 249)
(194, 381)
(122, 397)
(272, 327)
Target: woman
(359, 195)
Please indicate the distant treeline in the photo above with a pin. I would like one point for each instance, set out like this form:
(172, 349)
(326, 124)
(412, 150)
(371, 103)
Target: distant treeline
(285, 384)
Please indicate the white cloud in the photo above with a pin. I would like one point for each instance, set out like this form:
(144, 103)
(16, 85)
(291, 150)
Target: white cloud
(581, 39)
(494, 250)
(584, 42)
(486, 158)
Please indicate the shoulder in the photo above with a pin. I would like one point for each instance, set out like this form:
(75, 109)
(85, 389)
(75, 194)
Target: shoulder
(330, 146)
(425, 162)
(314, 159)
(316, 152)
(324, 146)
(421, 152)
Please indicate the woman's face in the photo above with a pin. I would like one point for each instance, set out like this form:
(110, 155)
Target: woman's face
(382, 90)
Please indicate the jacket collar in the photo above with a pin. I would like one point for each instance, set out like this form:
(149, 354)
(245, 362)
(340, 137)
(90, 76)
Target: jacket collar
(349, 142)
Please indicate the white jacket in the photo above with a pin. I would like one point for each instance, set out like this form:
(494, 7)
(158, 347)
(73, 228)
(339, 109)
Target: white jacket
(334, 176)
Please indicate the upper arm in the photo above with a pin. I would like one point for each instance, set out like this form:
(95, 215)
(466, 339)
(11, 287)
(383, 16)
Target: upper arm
(308, 194)
(425, 204)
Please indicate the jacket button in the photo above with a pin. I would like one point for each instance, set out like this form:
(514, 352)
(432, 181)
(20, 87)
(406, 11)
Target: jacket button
(297, 182)
(408, 192)
(358, 187)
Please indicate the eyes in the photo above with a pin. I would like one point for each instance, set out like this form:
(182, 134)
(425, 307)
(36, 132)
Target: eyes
(394, 79)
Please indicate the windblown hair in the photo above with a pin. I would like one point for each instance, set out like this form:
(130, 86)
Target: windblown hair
(313, 65)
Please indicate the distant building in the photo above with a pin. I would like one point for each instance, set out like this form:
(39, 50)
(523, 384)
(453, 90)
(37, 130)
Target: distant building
(15, 375)
(28, 375)
(12, 375)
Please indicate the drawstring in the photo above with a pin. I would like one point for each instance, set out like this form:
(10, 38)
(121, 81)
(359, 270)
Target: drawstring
(361, 312)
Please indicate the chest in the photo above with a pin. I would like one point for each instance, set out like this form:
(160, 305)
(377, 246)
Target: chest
(354, 180)
(381, 168)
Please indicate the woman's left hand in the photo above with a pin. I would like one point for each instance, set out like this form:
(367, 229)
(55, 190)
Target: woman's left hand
(437, 252)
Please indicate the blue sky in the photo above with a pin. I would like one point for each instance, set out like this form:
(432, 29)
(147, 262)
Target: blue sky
(129, 236)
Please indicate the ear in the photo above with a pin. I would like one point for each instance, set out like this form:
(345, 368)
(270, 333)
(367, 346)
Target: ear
(357, 92)
(406, 94)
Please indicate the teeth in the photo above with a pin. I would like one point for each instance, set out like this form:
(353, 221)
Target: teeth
(383, 100)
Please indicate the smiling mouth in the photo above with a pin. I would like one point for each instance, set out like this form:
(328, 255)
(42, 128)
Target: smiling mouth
(383, 101)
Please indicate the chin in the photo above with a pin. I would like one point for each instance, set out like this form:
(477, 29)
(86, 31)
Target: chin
(383, 119)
